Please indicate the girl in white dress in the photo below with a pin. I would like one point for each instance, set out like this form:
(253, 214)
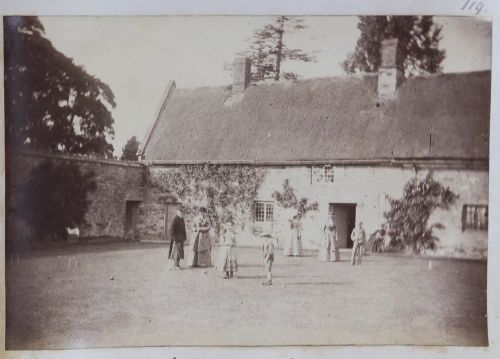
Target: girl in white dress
(293, 246)
(227, 261)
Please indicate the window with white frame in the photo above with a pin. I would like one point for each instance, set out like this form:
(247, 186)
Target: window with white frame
(264, 211)
(322, 174)
(475, 217)
(328, 174)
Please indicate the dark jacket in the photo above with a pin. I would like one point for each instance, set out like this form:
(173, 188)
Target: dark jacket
(178, 234)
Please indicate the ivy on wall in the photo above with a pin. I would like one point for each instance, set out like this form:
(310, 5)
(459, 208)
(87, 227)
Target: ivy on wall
(287, 199)
(227, 191)
(408, 217)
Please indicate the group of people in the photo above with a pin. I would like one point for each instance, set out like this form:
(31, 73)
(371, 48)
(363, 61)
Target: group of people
(201, 247)
(329, 241)
(227, 263)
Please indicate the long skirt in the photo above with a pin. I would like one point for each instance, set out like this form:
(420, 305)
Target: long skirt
(227, 259)
(201, 258)
(293, 246)
(324, 254)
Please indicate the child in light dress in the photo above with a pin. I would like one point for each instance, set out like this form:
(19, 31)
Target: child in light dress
(227, 261)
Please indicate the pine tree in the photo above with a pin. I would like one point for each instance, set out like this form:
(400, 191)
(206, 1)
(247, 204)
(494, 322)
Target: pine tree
(268, 50)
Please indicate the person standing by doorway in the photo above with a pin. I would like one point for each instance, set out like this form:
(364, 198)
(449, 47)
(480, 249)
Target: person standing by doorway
(329, 240)
(202, 245)
(358, 236)
(177, 239)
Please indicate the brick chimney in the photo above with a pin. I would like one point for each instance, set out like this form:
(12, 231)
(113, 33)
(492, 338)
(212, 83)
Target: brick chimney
(390, 74)
(241, 74)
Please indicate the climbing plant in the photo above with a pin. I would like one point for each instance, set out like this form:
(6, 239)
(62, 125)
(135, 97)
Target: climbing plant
(408, 217)
(287, 199)
(227, 191)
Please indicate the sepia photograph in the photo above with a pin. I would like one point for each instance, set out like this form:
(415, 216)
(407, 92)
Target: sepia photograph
(246, 181)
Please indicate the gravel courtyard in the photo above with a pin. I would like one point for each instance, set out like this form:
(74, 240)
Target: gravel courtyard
(121, 294)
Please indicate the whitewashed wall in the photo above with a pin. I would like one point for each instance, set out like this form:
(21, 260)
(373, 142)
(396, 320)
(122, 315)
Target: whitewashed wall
(368, 188)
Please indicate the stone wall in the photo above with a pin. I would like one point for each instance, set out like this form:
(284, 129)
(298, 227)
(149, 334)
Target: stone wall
(117, 182)
(365, 187)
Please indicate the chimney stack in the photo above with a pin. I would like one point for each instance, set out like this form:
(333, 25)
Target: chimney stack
(389, 72)
(241, 74)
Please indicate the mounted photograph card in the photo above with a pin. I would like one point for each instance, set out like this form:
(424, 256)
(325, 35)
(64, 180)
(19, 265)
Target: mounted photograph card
(242, 181)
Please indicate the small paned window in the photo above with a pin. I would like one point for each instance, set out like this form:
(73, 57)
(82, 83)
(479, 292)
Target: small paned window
(264, 211)
(475, 217)
(329, 174)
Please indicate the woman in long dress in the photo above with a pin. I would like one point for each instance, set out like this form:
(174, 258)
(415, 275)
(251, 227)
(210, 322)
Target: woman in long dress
(227, 261)
(202, 246)
(329, 241)
(293, 246)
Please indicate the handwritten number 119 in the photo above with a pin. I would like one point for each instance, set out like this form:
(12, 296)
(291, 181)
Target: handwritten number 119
(476, 6)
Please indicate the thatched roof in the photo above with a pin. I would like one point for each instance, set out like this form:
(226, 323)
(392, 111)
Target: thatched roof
(438, 117)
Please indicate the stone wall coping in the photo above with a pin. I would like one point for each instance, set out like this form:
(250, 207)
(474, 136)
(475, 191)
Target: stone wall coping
(88, 159)
(451, 163)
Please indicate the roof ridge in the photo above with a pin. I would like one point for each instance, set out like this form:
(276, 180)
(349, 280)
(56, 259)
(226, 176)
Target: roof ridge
(159, 110)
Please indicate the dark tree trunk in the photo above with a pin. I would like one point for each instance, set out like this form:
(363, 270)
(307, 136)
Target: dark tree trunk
(279, 49)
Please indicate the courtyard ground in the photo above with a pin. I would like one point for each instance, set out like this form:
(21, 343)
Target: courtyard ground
(121, 294)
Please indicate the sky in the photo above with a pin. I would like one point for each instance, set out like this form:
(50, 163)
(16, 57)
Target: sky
(138, 56)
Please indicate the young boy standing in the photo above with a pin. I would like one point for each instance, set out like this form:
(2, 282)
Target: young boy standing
(268, 257)
(358, 237)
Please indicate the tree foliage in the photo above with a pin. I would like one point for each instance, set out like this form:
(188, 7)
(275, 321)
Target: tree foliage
(227, 191)
(418, 44)
(268, 50)
(54, 198)
(51, 103)
(130, 150)
(408, 217)
(287, 199)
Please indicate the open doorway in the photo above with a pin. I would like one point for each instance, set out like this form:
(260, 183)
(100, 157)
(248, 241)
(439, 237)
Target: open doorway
(131, 208)
(345, 220)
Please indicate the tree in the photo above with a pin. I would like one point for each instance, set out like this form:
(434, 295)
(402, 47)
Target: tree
(267, 50)
(287, 199)
(130, 150)
(408, 217)
(51, 103)
(54, 198)
(418, 44)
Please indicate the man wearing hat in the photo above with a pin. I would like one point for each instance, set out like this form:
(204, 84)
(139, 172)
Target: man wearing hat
(268, 257)
(178, 237)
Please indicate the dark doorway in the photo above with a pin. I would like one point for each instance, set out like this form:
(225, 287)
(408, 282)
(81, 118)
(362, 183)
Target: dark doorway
(345, 220)
(131, 208)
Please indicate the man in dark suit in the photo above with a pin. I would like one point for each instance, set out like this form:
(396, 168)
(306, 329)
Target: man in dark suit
(178, 237)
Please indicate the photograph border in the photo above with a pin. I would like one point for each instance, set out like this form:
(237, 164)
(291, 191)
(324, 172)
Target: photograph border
(491, 10)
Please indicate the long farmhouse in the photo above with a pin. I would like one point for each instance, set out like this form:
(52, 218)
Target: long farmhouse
(345, 142)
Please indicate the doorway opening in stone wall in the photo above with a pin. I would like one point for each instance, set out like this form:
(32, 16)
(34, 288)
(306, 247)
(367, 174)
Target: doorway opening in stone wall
(131, 209)
(345, 220)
